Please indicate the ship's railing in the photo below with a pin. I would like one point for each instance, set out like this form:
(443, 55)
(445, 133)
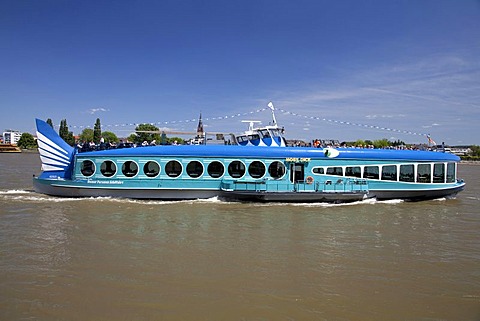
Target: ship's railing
(255, 186)
(343, 185)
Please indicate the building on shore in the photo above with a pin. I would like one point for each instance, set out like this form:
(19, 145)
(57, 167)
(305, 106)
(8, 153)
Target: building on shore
(11, 136)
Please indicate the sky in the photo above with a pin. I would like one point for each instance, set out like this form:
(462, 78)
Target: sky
(343, 69)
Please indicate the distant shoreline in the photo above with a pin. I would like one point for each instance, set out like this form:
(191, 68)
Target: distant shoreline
(469, 162)
(30, 151)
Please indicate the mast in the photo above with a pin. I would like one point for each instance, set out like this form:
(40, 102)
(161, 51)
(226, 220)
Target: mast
(270, 105)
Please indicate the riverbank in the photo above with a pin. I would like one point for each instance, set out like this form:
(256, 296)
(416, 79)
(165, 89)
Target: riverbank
(469, 162)
(9, 148)
(30, 151)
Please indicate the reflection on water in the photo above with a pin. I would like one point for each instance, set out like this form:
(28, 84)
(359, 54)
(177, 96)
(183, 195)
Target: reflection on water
(107, 259)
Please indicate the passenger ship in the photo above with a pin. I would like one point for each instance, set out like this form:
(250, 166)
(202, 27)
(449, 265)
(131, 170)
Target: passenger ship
(258, 167)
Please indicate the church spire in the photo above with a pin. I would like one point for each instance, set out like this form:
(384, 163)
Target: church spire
(200, 131)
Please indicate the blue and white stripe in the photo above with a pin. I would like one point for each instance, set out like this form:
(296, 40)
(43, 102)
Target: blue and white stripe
(54, 157)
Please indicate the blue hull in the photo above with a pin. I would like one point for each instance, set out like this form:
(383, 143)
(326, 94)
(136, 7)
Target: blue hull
(73, 189)
(67, 188)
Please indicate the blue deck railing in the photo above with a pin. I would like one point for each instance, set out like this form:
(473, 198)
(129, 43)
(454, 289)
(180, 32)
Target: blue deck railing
(343, 185)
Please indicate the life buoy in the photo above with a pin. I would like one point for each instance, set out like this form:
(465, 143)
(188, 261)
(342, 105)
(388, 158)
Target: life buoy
(309, 180)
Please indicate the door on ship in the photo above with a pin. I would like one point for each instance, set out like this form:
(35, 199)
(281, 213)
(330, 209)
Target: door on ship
(297, 172)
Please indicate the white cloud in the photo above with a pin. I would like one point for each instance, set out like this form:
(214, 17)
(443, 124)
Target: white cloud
(426, 93)
(375, 116)
(92, 111)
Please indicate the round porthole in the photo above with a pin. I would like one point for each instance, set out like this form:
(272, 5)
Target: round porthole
(194, 169)
(236, 169)
(87, 168)
(276, 169)
(108, 168)
(151, 169)
(173, 168)
(256, 169)
(215, 169)
(129, 168)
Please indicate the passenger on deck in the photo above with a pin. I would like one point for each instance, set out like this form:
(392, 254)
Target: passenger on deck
(85, 146)
(102, 146)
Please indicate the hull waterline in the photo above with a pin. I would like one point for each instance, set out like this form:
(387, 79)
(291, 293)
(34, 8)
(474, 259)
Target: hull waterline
(64, 189)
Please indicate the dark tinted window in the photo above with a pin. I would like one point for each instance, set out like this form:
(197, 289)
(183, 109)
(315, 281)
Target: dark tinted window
(407, 173)
(151, 169)
(256, 169)
(108, 168)
(194, 169)
(439, 173)
(318, 170)
(276, 169)
(355, 171)
(389, 173)
(129, 168)
(451, 173)
(236, 169)
(335, 171)
(173, 168)
(215, 169)
(423, 173)
(87, 168)
(370, 172)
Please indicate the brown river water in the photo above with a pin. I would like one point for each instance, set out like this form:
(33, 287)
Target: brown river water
(110, 259)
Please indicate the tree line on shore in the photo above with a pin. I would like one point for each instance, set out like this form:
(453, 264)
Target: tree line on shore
(144, 132)
(149, 133)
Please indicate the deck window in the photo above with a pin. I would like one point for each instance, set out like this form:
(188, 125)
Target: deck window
(256, 169)
(451, 173)
(355, 171)
(389, 173)
(407, 173)
(424, 173)
(108, 168)
(151, 169)
(87, 168)
(236, 169)
(194, 169)
(215, 169)
(371, 172)
(439, 173)
(173, 168)
(129, 168)
(242, 139)
(265, 133)
(276, 169)
(318, 170)
(338, 171)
